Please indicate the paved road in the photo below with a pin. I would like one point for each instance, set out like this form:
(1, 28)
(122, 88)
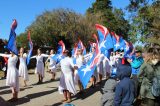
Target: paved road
(47, 94)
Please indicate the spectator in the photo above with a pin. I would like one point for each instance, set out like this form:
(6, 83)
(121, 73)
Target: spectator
(125, 90)
(107, 98)
(145, 76)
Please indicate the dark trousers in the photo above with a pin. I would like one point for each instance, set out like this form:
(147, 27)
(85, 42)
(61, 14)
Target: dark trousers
(150, 102)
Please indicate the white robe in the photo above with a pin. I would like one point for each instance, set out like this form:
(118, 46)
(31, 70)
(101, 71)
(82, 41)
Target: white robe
(106, 65)
(67, 78)
(40, 65)
(100, 64)
(12, 79)
(23, 71)
(52, 64)
(79, 62)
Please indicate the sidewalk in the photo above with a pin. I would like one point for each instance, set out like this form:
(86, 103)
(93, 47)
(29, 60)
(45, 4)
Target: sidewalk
(46, 94)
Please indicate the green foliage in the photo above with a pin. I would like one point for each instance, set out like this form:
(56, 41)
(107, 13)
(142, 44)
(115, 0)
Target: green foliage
(145, 26)
(61, 24)
(103, 13)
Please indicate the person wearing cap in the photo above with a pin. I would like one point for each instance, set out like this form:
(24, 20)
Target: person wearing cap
(67, 86)
(12, 79)
(136, 62)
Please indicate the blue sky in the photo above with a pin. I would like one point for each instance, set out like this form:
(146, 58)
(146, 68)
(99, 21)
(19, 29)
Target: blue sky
(26, 11)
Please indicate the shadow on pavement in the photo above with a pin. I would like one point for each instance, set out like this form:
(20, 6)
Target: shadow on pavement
(4, 87)
(9, 90)
(28, 97)
(89, 91)
(57, 104)
(5, 92)
(49, 81)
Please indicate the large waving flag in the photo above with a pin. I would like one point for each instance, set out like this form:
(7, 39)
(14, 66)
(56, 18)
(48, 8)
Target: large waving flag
(61, 48)
(102, 32)
(118, 42)
(86, 71)
(30, 46)
(105, 40)
(81, 46)
(128, 47)
(12, 39)
(74, 50)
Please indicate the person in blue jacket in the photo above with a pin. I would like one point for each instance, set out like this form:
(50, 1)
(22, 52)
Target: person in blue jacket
(125, 91)
(136, 62)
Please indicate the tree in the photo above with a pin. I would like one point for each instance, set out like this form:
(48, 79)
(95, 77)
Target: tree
(60, 24)
(103, 13)
(145, 26)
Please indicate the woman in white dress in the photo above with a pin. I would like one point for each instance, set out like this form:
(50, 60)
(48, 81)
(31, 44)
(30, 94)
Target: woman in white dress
(79, 62)
(12, 79)
(89, 56)
(106, 67)
(67, 86)
(40, 65)
(52, 65)
(100, 68)
(23, 72)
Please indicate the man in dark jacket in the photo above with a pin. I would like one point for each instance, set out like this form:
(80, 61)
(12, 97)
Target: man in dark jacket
(125, 90)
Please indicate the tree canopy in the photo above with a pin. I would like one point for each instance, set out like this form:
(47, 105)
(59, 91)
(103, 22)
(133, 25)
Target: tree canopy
(110, 17)
(61, 24)
(145, 26)
(64, 24)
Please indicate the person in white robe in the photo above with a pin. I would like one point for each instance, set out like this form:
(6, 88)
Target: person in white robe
(106, 67)
(67, 86)
(40, 65)
(100, 68)
(87, 58)
(12, 79)
(23, 71)
(52, 65)
(79, 62)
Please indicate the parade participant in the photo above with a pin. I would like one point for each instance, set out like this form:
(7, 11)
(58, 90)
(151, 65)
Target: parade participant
(93, 78)
(100, 68)
(40, 65)
(52, 65)
(23, 71)
(79, 62)
(106, 67)
(67, 85)
(5, 66)
(12, 75)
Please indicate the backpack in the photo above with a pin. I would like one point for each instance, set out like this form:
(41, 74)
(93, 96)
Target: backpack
(155, 88)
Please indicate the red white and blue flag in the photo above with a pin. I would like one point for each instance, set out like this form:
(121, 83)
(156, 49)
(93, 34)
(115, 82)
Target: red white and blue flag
(118, 41)
(11, 45)
(86, 71)
(61, 48)
(105, 40)
(30, 46)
